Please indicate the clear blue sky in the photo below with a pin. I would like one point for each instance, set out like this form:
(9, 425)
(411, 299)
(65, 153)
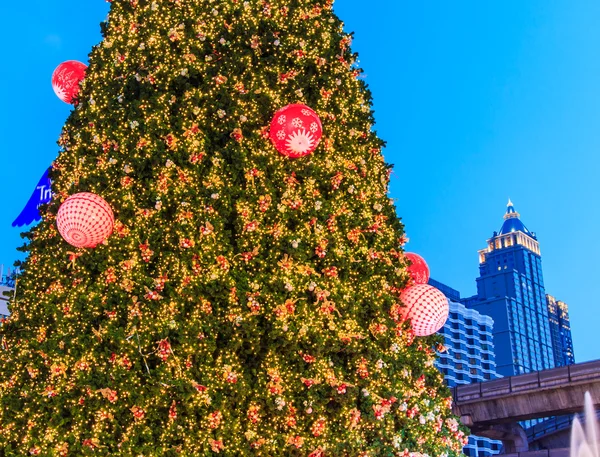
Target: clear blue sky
(478, 101)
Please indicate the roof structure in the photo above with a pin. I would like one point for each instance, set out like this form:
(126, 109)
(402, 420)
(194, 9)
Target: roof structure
(512, 223)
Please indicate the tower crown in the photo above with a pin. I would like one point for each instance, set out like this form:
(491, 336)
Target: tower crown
(512, 233)
(510, 211)
(512, 223)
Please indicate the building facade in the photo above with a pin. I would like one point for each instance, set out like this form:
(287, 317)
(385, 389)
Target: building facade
(560, 329)
(510, 289)
(469, 357)
(3, 302)
(6, 286)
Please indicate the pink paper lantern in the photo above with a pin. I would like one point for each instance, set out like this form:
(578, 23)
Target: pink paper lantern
(66, 79)
(418, 269)
(85, 220)
(296, 130)
(426, 307)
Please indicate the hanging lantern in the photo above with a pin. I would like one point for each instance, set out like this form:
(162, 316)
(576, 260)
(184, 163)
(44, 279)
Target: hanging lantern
(66, 79)
(426, 307)
(418, 269)
(296, 130)
(85, 220)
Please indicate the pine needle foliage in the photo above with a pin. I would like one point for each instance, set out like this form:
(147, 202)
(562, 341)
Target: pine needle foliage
(247, 304)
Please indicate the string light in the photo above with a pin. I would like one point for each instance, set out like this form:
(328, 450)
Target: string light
(245, 302)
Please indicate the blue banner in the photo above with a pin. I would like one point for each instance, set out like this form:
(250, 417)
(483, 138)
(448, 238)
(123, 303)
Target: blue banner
(42, 194)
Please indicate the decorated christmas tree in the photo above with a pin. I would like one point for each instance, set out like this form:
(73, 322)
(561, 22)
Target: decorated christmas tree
(220, 270)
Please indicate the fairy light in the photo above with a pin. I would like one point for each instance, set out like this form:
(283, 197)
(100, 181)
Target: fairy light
(244, 304)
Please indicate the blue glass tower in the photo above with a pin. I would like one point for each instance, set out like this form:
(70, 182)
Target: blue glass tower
(3, 302)
(6, 285)
(510, 289)
(469, 357)
(560, 329)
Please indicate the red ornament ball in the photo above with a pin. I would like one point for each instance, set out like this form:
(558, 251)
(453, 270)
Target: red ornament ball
(66, 79)
(418, 269)
(85, 220)
(296, 130)
(426, 307)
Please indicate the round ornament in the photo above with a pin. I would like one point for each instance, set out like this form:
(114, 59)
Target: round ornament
(418, 269)
(66, 79)
(426, 307)
(296, 130)
(85, 220)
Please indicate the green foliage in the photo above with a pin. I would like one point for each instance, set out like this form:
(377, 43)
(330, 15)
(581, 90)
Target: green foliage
(246, 303)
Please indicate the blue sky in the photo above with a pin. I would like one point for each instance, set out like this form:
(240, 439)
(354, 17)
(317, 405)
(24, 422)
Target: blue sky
(478, 101)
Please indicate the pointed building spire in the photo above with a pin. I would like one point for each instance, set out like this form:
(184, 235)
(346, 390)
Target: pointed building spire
(512, 222)
(510, 211)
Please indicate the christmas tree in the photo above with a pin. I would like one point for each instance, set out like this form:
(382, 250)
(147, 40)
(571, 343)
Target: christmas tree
(247, 303)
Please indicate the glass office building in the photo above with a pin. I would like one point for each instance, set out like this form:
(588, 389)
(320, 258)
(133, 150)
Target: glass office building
(7, 282)
(560, 329)
(469, 357)
(3, 302)
(510, 289)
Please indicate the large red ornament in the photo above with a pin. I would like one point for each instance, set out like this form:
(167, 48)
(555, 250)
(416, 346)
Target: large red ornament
(418, 269)
(66, 79)
(85, 220)
(296, 130)
(426, 308)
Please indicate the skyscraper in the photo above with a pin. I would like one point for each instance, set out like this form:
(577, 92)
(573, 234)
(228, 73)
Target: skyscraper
(469, 357)
(510, 289)
(3, 299)
(560, 329)
(3, 302)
